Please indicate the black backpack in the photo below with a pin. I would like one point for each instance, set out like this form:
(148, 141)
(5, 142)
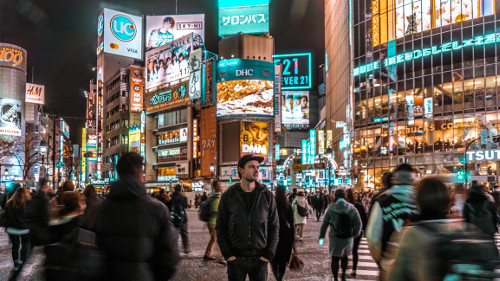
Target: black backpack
(205, 210)
(482, 218)
(303, 212)
(463, 255)
(344, 226)
(177, 214)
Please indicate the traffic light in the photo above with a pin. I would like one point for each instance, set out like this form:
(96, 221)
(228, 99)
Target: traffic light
(460, 175)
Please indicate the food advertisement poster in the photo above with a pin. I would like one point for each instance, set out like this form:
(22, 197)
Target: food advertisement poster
(254, 138)
(245, 98)
(295, 107)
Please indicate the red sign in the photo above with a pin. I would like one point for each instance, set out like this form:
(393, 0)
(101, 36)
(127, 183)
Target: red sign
(136, 88)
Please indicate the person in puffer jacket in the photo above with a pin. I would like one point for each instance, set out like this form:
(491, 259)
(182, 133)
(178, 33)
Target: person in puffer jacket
(340, 244)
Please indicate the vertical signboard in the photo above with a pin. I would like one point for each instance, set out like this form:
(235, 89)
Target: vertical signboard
(208, 142)
(304, 151)
(91, 110)
(428, 108)
(277, 152)
(100, 33)
(134, 139)
(84, 150)
(329, 139)
(136, 88)
(321, 142)
(312, 140)
(196, 138)
(195, 85)
(35, 93)
(122, 34)
(277, 98)
(143, 136)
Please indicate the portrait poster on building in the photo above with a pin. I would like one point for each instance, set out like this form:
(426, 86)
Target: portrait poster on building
(10, 117)
(254, 138)
(161, 30)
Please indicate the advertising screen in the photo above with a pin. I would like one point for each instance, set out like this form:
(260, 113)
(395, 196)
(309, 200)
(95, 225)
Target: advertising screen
(249, 17)
(35, 93)
(167, 98)
(122, 34)
(244, 98)
(172, 154)
(161, 30)
(254, 138)
(296, 70)
(173, 136)
(136, 88)
(295, 107)
(168, 63)
(10, 117)
(134, 139)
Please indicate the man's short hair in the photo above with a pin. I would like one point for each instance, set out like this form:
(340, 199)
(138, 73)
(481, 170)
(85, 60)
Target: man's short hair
(169, 20)
(404, 168)
(129, 164)
(178, 188)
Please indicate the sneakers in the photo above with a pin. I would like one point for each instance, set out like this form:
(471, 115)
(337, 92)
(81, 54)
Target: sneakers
(205, 258)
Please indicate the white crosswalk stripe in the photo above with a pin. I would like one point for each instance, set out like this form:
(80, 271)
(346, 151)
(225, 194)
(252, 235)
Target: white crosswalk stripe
(367, 268)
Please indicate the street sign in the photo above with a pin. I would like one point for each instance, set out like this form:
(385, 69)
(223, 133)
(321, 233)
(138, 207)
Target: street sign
(59, 164)
(463, 160)
(484, 136)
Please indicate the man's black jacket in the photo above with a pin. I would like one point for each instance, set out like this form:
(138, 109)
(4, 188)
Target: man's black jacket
(248, 233)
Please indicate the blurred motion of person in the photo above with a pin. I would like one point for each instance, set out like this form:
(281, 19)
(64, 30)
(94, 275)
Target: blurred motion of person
(318, 203)
(177, 205)
(459, 197)
(354, 200)
(480, 211)
(17, 227)
(39, 215)
(345, 224)
(389, 214)
(286, 234)
(214, 206)
(91, 197)
(134, 230)
(299, 219)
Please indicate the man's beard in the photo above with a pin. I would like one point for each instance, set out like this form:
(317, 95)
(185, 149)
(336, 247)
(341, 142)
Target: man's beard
(250, 179)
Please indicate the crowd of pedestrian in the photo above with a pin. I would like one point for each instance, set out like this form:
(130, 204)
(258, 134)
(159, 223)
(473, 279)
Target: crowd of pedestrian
(415, 230)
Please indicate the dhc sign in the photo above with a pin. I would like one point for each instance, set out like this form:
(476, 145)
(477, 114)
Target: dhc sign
(484, 155)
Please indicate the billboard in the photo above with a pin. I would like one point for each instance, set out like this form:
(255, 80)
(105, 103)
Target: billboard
(122, 34)
(134, 139)
(251, 16)
(169, 63)
(91, 108)
(245, 88)
(172, 154)
(208, 142)
(173, 136)
(167, 98)
(65, 128)
(10, 117)
(195, 85)
(35, 93)
(295, 107)
(12, 56)
(254, 138)
(161, 30)
(296, 70)
(136, 88)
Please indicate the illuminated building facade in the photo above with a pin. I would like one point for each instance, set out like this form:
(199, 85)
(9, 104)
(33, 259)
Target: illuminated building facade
(425, 81)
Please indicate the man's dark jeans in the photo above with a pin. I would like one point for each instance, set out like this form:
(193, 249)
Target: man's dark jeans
(254, 267)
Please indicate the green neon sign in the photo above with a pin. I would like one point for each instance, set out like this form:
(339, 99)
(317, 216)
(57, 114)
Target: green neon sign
(248, 17)
(434, 50)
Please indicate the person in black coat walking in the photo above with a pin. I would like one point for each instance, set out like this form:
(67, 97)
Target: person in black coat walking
(286, 234)
(351, 198)
(177, 206)
(38, 215)
(474, 205)
(318, 203)
(134, 230)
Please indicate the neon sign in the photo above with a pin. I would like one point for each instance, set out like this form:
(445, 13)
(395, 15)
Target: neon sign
(434, 50)
(296, 70)
(11, 55)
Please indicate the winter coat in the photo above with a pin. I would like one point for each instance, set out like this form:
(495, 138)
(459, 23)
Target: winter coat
(38, 218)
(340, 247)
(248, 233)
(136, 234)
(318, 202)
(16, 218)
(375, 232)
(302, 201)
(362, 214)
(476, 201)
(415, 257)
(286, 235)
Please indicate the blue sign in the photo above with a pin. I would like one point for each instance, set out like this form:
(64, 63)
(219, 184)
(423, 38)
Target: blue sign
(123, 28)
(296, 71)
(277, 152)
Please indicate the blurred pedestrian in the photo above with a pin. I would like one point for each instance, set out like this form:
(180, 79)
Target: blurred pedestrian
(38, 215)
(459, 198)
(351, 198)
(203, 197)
(480, 211)
(293, 195)
(59, 263)
(345, 224)
(177, 206)
(300, 211)
(214, 206)
(91, 197)
(56, 200)
(318, 203)
(134, 230)
(395, 207)
(387, 183)
(247, 224)
(286, 234)
(430, 245)
(17, 228)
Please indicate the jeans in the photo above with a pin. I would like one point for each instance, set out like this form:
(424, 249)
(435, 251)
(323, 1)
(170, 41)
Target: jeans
(254, 267)
(212, 243)
(355, 255)
(318, 214)
(183, 232)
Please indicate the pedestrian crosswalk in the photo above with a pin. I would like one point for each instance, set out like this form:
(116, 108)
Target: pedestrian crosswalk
(367, 268)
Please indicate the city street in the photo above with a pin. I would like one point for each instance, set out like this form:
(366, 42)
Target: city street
(191, 266)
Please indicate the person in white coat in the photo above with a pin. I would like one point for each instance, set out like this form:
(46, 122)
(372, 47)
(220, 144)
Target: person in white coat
(299, 220)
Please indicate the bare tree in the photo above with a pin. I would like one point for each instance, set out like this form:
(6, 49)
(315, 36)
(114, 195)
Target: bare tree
(26, 153)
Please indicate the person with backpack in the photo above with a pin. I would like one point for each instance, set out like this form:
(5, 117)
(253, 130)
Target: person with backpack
(208, 210)
(389, 214)
(345, 224)
(435, 247)
(177, 206)
(480, 211)
(300, 213)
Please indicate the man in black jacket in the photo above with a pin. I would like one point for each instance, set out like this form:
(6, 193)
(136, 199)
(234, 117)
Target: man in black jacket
(177, 206)
(133, 229)
(247, 224)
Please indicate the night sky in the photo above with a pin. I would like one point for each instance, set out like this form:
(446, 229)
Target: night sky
(61, 39)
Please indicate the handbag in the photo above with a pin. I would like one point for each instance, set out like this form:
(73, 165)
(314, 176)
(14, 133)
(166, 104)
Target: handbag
(296, 264)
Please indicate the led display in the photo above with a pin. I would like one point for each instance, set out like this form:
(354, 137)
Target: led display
(296, 70)
(295, 107)
(245, 98)
(161, 30)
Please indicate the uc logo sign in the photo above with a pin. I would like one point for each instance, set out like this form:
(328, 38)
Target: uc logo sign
(123, 28)
(100, 25)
